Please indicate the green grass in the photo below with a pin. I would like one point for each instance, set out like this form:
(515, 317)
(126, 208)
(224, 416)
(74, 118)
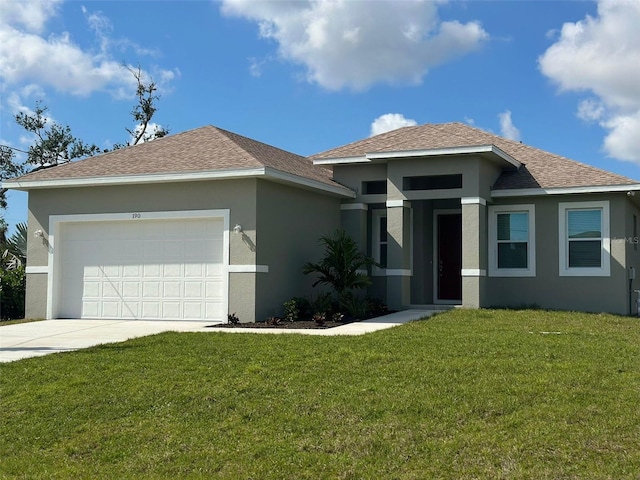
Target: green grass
(22, 320)
(466, 394)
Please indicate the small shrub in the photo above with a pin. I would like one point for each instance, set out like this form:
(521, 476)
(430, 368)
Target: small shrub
(291, 310)
(304, 306)
(322, 303)
(337, 317)
(12, 288)
(356, 306)
(377, 307)
(233, 319)
(274, 321)
(319, 318)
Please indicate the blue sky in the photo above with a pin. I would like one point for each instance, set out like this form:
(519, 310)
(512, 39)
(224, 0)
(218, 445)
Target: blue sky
(307, 76)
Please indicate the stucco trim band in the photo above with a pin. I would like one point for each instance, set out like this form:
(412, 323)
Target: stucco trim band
(248, 268)
(473, 272)
(473, 201)
(36, 269)
(398, 203)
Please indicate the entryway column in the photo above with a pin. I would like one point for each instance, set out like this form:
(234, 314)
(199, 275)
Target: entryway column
(474, 251)
(353, 220)
(398, 254)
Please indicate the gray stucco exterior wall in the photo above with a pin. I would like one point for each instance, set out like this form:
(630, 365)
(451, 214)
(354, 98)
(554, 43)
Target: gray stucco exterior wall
(550, 290)
(290, 222)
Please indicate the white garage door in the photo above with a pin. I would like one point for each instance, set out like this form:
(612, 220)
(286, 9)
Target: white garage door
(151, 269)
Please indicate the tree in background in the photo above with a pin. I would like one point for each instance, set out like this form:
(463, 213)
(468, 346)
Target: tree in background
(54, 144)
(143, 111)
(8, 169)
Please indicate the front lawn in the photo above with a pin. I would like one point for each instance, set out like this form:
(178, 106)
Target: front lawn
(466, 394)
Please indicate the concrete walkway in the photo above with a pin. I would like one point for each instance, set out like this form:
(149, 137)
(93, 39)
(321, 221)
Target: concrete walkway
(35, 339)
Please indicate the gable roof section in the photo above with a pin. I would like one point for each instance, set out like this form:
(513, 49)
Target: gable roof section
(202, 153)
(540, 169)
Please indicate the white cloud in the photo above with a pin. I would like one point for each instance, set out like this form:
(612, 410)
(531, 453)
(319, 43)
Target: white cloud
(601, 55)
(507, 128)
(348, 44)
(390, 121)
(51, 59)
(32, 15)
(590, 110)
(623, 140)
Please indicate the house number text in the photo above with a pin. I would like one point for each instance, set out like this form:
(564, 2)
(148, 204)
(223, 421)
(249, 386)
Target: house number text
(136, 215)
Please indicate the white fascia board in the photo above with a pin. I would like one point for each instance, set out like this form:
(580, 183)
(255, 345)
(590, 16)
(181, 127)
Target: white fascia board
(534, 192)
(181, 177)
(281, 176)
(340, 160)
(134, 179)
(434, 152)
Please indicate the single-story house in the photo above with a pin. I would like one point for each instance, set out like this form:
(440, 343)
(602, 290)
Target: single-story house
(206, 223)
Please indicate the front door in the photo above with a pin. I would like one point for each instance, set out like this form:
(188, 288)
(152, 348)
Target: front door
(449, 256)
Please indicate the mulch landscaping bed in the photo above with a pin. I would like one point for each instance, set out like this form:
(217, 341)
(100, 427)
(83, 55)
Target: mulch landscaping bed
(298, 324)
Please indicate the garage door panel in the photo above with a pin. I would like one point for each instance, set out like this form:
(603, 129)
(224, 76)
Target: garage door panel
(172, 270)
(131, 271)
(150, 269)
(171, 310)
(131, 289)
(91, 289)
(171, 289)
(193, 289)
(91, 309)
(193, 270)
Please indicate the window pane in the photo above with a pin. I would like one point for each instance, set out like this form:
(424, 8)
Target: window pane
(584, 223)
(513, 226)
(383, 255)
(512, 255)
(585, 254)
(383, 229)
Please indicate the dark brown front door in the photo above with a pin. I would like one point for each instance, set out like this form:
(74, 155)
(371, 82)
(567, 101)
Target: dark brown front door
(450, 257)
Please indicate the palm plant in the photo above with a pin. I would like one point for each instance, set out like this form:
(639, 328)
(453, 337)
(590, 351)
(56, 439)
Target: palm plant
(17, 243)
(342, 264)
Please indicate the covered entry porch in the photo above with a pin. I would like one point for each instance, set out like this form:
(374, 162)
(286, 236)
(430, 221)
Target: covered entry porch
(430, 251)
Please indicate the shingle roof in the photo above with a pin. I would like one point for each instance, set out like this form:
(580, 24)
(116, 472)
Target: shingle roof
(540, 170)
(204, 149)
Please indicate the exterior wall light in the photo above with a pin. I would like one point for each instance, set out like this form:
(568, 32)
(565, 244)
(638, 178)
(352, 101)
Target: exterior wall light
(38, 234)
(237, 228)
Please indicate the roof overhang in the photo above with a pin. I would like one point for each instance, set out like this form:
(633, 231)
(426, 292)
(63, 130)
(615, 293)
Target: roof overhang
(262, 172)
(535, 192)
(487, 151)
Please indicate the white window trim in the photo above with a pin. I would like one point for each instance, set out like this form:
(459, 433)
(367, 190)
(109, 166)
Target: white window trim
(494, 271)
(563, 241)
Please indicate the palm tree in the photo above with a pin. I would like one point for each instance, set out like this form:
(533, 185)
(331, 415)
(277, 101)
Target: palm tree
(342, 264)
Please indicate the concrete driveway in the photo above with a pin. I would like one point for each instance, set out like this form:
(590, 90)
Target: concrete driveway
(34, 339)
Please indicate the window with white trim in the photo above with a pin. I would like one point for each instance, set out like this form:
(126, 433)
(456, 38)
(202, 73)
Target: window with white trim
(512, 241)
(584, 239)
(379, 239)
